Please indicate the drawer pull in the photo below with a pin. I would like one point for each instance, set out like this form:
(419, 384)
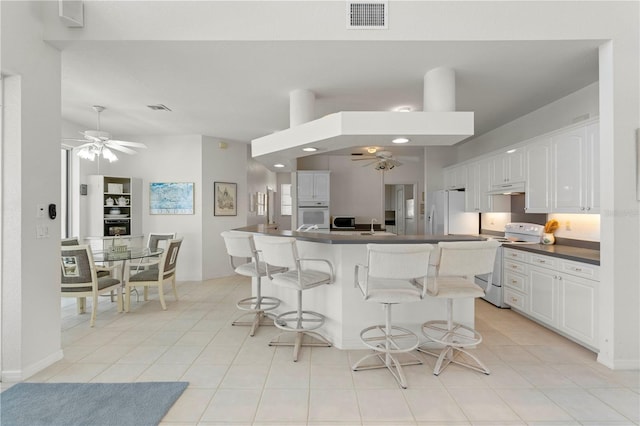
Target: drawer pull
(514, 266)
(542, 261)
(514, 282)
(577, 269)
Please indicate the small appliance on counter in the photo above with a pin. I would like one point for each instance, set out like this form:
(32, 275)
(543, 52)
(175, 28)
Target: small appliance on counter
(343, 222)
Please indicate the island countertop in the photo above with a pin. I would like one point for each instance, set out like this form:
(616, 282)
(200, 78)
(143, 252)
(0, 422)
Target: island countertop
(357, 237)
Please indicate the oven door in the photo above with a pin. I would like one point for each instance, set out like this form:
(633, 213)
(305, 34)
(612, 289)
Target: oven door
(318, 216)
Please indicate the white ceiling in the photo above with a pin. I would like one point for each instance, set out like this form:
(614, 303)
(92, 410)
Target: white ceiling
(239, 90)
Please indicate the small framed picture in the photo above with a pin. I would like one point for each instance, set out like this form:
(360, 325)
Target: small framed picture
(225, 199)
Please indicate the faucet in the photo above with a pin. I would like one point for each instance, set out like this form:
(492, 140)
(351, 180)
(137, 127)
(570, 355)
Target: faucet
(373, 220)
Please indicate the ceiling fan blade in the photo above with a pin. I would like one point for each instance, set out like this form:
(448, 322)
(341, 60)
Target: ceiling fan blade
(74, 140)
(369, 164)
(91, 138)
(85, 144)
(120, 148)
(363, 158)
(127, 143)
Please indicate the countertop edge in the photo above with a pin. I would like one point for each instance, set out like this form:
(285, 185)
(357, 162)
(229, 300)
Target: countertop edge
(575, 254)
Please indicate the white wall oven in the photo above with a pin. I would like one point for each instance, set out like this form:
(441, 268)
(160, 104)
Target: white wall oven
(317, 215)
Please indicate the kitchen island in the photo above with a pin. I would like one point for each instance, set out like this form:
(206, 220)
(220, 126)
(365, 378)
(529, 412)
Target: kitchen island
(341, 303)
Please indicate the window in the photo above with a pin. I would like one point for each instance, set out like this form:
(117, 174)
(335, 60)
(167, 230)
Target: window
(285, 199)
(64, 193)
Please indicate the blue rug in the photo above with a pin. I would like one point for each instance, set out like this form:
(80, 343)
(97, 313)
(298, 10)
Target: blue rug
(95, 404)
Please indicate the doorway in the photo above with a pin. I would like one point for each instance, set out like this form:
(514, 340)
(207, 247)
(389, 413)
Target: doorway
(400, 214)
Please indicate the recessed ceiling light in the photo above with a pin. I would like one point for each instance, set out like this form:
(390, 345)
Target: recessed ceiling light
(400, 140)
(372, 150)
(511, 151)
(278, 165)
(310, 149)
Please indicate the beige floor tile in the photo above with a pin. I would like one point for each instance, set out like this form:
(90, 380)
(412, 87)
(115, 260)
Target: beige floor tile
(583, 406)
(245, 377)
(283, 405)
(383, 405)
(433, 405)
(190, 406)
(204, 376)
(214, 354)
(254, 354)
(329, 356)
(180, 355)
(329, 376)
(81, 373)
(107, 354)
(289, 376)
(75, 353)
(503, 376)
(584, 376)
(163, 373)
(543, 376)
(120, 373)
(164, 338)
(50, 371)
(196, 338)
(624, 401)
(143, 354)
(482, 405)
(333, 405)
(533, 405)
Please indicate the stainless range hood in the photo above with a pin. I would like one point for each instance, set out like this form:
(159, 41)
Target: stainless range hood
(507, 189)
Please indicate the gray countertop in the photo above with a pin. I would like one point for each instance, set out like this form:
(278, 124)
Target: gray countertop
(356, 238)
(577, 254)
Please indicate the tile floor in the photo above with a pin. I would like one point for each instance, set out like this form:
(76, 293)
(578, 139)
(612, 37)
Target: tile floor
(538, 377)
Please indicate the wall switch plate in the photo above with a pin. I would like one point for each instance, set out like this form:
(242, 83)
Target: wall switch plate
(41, 210)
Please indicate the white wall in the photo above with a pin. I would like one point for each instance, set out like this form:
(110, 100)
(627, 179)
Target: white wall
(259, 178)
(31, 176)
(221, 165)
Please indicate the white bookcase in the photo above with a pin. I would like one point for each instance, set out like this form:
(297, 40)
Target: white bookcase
(101, 213)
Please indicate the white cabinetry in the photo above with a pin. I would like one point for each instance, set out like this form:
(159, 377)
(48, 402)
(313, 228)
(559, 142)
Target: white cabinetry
(478, 183)
(114, 203)
(559, 293)
(313, 187)
(455, 177)
(576, 170)
(508, 167)
(538, 176)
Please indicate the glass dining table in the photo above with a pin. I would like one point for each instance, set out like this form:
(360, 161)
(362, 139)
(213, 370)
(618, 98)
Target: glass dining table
(126, 255)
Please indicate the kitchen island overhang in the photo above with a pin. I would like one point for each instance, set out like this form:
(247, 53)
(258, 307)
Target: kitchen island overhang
(340, 302)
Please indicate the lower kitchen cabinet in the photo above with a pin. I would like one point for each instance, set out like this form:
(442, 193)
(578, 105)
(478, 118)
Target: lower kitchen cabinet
(558, 293)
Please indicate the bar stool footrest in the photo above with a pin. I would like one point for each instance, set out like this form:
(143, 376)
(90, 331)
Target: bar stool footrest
(399, 340)
(299, 321)
(256, 304)
(460, 336)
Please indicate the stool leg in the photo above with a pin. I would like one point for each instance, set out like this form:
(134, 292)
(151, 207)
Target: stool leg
(257, 310)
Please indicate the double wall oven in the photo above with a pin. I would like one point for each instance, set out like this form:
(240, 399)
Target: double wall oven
(314, 214)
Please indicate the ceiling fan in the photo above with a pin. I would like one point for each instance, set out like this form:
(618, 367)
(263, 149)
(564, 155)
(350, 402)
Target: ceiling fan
(98, 142)
(383, 160)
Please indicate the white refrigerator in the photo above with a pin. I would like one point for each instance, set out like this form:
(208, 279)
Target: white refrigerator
(446, 214)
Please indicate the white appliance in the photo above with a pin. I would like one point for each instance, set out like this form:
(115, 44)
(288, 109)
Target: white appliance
(317, 215)
(447, 215)
(514, 233)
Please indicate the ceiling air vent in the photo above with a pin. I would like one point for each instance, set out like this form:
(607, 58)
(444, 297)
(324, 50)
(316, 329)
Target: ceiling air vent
(370, 15)
(159, 107)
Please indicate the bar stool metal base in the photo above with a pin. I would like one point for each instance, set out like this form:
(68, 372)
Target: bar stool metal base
(257, 306)
(302, 323)
(455, 337)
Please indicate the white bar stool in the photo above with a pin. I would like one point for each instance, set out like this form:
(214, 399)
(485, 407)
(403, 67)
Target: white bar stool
(394, 274)
(458, 263)
(281, 252)
(241, 245)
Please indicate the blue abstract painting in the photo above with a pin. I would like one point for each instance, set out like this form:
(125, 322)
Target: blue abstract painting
(171, 198)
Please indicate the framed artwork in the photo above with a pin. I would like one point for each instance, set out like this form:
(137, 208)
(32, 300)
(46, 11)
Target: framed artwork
(225, 199)
(171, 198)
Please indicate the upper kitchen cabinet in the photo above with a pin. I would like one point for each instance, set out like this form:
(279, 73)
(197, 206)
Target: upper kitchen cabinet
(455, 177)
(538, 176)
(508, 167)
(313, 186)
(479, 183)
(576, 170)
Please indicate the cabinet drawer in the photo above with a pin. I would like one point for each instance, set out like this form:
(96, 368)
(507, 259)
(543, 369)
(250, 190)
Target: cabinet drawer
(546, 261)
(518, 267)
(515, 255)
(515, 281)
(580, 269)
(514, 299)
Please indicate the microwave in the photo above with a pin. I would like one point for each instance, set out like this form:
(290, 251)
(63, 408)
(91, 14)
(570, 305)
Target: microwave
(343, 222)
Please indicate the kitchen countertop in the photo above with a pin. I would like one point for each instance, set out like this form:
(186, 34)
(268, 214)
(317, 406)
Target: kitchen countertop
(577, 254)
(352, 237)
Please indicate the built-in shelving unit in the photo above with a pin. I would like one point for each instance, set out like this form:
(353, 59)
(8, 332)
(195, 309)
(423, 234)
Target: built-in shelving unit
(114, 205)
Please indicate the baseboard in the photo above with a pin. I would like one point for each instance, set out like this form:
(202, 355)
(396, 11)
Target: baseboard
(20, 375)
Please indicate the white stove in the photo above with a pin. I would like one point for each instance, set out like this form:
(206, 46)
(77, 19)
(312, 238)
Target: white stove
(514, 233)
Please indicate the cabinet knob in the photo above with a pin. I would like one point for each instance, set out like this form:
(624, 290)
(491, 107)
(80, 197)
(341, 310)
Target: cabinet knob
(582, 208)
(588, 208)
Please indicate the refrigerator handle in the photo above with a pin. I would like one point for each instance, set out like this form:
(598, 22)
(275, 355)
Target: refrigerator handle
(432, 214)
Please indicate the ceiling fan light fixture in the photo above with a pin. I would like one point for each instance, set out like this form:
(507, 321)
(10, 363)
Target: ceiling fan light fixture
(400, 140)
(278, 165)
(107, 154)
(372, 150)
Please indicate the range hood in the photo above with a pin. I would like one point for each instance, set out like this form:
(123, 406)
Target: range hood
(507, 189)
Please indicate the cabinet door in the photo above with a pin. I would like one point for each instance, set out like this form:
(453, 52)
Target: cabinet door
(489, 203)
(568, 155)
(543, 295)
(538, 177)
(472, 192)
(455, 177)
(305, 186)
(578, 310)
(592, 168)
(515, 166)
(321, 186)
(498, 170)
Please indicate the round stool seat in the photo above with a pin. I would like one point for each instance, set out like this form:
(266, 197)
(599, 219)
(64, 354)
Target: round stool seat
(460, 336)
(257, 304)
(400, 339)
(291, 321)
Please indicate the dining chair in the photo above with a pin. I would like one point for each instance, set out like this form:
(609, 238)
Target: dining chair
(457, 265)
(79, 279)
(156, 277)
(394, 274)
